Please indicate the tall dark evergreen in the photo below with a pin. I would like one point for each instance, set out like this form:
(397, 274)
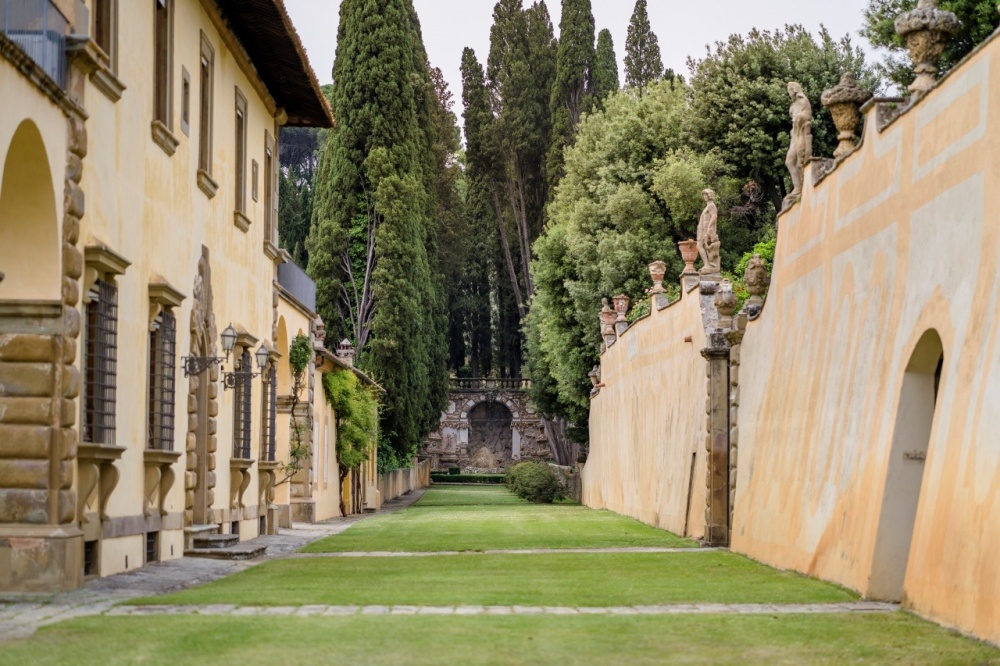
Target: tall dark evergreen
(570, 91)
(520, 69)
(643, 63)
(604, 79)
(374, 239)
(481, 223)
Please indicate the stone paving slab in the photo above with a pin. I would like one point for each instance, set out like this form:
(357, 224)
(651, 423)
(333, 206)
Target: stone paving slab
(664, 609)
(518, 551)
(22, 614)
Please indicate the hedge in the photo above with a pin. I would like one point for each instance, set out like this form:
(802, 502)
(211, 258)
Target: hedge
(467, 478)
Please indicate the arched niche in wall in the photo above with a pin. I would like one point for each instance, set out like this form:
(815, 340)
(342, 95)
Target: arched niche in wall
(490, 428)
(30, 256)
(905, 472)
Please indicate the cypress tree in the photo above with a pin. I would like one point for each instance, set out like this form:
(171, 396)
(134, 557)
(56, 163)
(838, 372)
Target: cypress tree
(643, 63)
(574, 63)
(373, 239)
(605, 77)
(482, 221)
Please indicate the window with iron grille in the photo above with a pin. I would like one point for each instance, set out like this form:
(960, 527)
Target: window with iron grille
(100, 364)
(242, 412)
(162, 362)
(269, 416)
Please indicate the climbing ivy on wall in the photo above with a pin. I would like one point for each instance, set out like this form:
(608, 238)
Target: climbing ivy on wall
(300, 356)
(356, 412)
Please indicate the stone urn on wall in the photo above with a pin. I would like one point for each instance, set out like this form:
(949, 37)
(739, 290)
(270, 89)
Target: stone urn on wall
(689, 253)
(844, 101)
(926, 31)
(726, 303)
(657, 271)
(621, 307)
(608, 319)
(621, 302)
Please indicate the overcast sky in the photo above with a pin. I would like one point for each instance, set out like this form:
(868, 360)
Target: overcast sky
(683, 28)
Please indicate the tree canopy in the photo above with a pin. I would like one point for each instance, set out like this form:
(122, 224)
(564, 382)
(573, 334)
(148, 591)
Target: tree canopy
(739, 99)
(631, 190)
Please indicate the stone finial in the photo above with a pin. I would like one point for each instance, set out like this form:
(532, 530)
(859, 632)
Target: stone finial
(756, 280)
(657, 271)
(726, 303)
(926, 31)
(844, 102)
(319, 331)
(708, 236)
(345, 352)
(800, 149)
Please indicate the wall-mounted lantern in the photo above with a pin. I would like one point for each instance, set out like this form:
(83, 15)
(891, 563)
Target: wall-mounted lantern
(239, 373)
(196, 365)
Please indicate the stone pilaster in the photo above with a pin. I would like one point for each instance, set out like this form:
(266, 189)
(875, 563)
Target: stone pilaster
(735, 338)
(717, 440)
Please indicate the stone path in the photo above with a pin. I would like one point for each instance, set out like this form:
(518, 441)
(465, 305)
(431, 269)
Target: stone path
(22, 614)
(526, 551)
(665, 609)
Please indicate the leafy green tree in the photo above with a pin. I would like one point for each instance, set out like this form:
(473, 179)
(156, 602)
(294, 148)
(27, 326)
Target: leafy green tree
(574, 69)
(643, 62)
(631, 191)
(356, 410)
(739, 101)
(373, 242)
(979, 20)
(604, 80)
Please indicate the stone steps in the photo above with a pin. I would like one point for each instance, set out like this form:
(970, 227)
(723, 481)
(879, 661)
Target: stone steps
(243, 551)
(209, 541)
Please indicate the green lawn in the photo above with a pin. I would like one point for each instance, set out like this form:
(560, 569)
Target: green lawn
(491, 518)
(617, 579)
(895, 638)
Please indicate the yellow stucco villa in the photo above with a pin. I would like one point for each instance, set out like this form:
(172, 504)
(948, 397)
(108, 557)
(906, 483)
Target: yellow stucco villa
(144, 322)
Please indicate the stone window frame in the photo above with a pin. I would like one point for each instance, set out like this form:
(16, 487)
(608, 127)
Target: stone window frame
(161, 391)
(254, 178)
(105, 31)
(163, 71)
(102, 268)
(271, 249)
(241, 117)
(243, 395)
(185, 101)
(206, 115)
(269, 413)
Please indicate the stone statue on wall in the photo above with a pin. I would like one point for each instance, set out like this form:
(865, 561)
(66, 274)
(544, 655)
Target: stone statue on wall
(800, 150)
(708, 236)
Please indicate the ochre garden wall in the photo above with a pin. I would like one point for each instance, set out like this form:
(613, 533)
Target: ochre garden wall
(901, 239)
(868, 389)
(647, 423)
